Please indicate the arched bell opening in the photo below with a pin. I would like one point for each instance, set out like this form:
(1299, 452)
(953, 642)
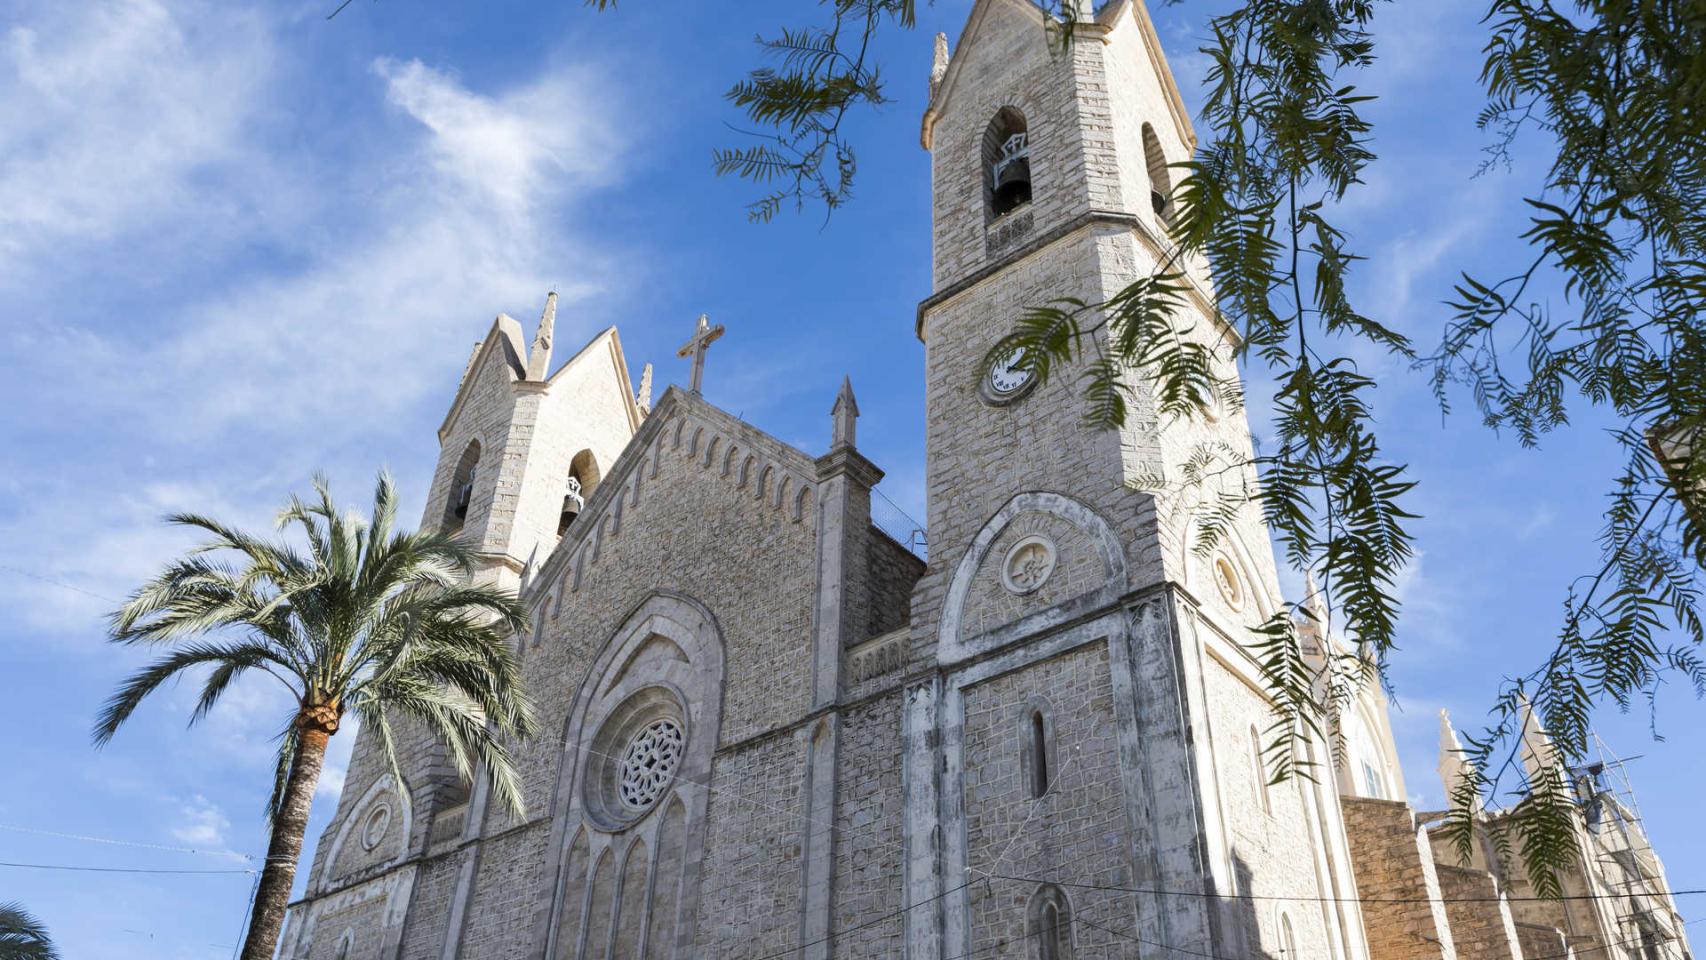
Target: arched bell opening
(1160, 181)
(462, 487)
(583, 477)
(1006, 163)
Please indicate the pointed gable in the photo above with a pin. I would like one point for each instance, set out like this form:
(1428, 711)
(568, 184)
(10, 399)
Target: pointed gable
(499, 359)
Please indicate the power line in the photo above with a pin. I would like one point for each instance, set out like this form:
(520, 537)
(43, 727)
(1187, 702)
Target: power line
(57, 583)
(150, 870)
(1317, 899)
(122, 843)
(903, 911)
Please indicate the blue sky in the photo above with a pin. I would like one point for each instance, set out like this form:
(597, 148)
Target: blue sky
(239, 243)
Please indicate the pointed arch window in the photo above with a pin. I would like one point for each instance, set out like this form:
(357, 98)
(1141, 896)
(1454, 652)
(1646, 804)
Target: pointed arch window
(462, 486)
(1006, 163)
(1036, 731)
(1049, 924)
(1259, 771)
(1160, 181)
(1288, 938)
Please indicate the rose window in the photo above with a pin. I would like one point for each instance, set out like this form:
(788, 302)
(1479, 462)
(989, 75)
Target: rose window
(648, 764)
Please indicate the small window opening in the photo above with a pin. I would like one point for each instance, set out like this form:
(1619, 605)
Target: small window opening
(1039, 755)
(1050, 923)
(1259, 770)
(1160, 182)
(462, 486)
(1288, 939)
(1006, 163)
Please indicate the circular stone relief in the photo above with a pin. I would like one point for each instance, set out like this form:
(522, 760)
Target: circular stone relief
(648, 765)
(1226, 578)
(373, 831)
(1027, 565)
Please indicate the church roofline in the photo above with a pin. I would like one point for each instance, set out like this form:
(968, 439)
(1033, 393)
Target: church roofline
(675, 403)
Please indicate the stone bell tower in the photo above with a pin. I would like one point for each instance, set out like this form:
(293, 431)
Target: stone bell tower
(1089, 730)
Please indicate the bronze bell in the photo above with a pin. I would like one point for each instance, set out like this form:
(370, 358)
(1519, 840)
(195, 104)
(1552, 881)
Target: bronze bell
(1012, 184)
(1010, 174)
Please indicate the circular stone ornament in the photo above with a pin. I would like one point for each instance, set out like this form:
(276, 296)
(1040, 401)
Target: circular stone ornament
(1027, 565)
(374, 829)
(649, 763)
(1007, 381)
(1226, 578)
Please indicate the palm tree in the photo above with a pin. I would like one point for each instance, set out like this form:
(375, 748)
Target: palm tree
(355, 617)
(22, 937)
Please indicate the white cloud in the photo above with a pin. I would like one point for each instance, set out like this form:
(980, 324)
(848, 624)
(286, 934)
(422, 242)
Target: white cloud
(108, 109)
(325, 351)
(201, 824)
(528, 145)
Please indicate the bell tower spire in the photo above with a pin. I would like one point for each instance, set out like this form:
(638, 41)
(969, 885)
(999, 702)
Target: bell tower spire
(539, 358)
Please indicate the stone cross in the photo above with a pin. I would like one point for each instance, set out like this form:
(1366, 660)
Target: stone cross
(703, 336)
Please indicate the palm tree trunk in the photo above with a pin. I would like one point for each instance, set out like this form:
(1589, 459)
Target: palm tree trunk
(315, 727)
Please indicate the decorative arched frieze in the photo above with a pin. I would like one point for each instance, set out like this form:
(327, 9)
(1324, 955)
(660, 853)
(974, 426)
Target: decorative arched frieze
(953, 646)
(711, 451)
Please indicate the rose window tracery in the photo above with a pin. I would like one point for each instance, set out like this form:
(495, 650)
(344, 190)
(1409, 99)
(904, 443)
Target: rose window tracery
(648, 763)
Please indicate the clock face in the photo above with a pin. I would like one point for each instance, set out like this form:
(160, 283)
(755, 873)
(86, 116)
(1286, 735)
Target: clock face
(1007, 378)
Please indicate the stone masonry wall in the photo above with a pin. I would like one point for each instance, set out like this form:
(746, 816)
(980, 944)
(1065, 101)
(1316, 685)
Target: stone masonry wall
(868, 838)
(892, 572)
(1481, 924)
(1542, 943)
(507, 882)
(702, 529)
(751, 876)
(1394, 860)
(1271, 841)
(429, 910)
(1077, 832)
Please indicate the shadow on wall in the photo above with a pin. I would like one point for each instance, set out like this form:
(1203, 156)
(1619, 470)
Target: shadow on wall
(1243, 925)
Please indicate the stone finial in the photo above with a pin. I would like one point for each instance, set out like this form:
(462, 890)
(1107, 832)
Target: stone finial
(939, 66)
(844, 415)
(1538, 754)
(539, 358)
(468, 367)
(1315, 600)
(643, 398)
(1453, 765)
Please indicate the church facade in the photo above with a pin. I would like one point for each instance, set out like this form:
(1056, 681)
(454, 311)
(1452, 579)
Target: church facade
(770, 730)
